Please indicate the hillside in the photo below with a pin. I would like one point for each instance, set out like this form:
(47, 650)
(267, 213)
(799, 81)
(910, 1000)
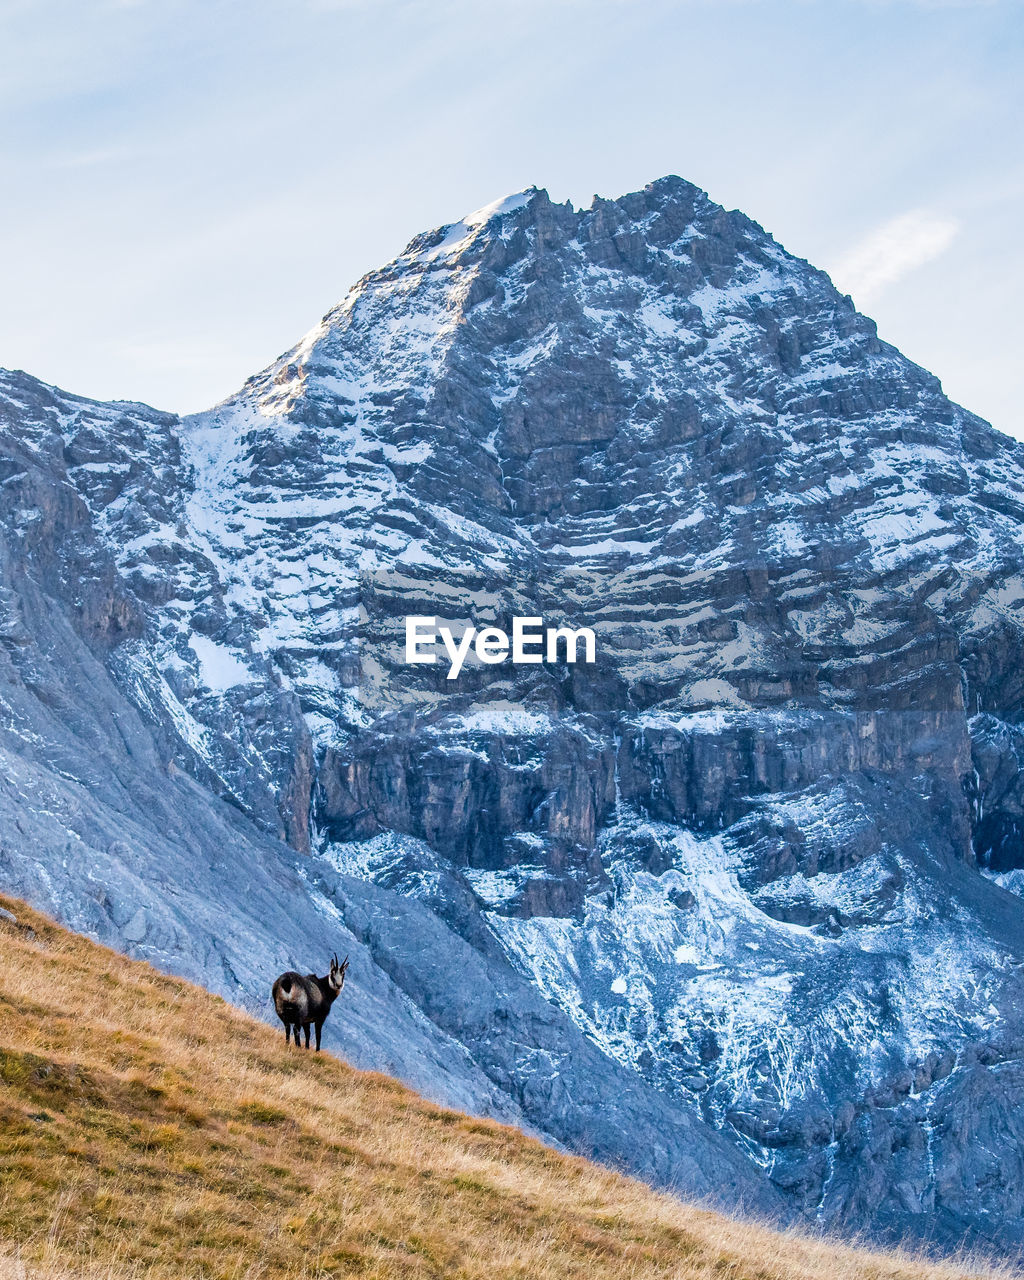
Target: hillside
(146, 1124)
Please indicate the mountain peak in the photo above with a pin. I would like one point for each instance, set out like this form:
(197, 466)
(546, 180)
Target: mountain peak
(734, 863)
(498, 208)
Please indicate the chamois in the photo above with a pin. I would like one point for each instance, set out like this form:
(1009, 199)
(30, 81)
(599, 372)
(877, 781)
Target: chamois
(301, 1000)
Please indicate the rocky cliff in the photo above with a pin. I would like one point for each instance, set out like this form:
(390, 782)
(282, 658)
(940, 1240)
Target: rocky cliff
(734, 905)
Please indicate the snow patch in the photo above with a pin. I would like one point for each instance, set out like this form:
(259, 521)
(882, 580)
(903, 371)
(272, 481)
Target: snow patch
(219, 668)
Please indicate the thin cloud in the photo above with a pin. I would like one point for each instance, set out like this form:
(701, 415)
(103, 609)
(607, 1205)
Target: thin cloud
(892, 251)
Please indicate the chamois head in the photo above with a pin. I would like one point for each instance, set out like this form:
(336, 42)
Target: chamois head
(337, 975)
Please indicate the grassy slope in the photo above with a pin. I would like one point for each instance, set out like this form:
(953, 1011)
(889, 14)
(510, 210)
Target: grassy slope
(148, 1128)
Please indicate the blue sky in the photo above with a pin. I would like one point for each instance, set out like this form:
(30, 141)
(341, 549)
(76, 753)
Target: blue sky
(188, 186)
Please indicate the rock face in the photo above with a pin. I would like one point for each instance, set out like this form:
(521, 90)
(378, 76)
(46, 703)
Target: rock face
(733, 905)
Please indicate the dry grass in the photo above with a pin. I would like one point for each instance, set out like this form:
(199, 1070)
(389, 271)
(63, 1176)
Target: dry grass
(148, 1129)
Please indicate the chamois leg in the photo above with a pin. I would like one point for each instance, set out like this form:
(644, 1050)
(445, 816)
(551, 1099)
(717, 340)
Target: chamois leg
(319, 1028)
(287, 1033)
(306, 1029)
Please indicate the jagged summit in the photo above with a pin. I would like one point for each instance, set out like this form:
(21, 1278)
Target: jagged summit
(534, 203)
(747, 875)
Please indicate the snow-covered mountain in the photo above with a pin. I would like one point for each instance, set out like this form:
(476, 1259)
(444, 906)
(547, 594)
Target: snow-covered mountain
(734, 905)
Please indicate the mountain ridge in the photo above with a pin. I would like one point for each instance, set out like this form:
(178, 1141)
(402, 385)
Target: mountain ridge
(747, 875)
